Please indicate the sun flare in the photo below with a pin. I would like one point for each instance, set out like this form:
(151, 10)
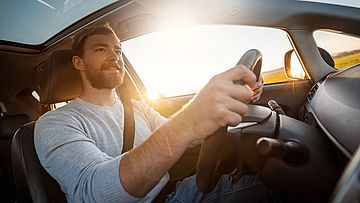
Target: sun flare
(297, 70)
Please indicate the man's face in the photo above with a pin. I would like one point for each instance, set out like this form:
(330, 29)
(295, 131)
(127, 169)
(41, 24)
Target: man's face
(104, 65)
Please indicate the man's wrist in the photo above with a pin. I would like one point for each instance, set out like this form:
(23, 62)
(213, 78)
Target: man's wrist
(184, 125)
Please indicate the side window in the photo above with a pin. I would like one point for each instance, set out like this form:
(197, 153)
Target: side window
(60, 104)
(181, 61)
(344, 49)
(56, 105)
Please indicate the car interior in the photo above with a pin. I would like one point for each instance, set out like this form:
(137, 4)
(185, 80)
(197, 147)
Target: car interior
(304, 145)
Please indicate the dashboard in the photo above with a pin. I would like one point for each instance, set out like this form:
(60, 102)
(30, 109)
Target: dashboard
(334, 105)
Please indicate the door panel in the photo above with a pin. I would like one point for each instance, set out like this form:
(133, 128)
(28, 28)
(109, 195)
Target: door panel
(290, 96)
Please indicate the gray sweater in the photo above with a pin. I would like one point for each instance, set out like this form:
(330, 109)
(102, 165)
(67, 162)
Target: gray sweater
(80, 146)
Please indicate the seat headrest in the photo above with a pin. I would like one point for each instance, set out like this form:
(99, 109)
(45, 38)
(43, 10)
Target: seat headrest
(60, 80)
(327, 57)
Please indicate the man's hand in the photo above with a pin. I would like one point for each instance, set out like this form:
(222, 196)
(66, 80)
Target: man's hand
(257, 88)
(221, 102)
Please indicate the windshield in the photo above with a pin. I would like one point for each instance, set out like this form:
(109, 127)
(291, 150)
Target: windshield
(35, 21)
(186, 58)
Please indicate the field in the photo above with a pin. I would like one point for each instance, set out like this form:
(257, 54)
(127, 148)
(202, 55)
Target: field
(347, 60)
(342, 60)
(274, 76)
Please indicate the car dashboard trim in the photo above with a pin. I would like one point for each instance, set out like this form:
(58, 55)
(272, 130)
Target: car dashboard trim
(328, 134)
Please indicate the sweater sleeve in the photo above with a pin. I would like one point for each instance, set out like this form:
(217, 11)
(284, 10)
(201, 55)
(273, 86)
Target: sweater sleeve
(85, 173)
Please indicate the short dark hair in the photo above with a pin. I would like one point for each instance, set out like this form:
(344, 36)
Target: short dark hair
(80, 37)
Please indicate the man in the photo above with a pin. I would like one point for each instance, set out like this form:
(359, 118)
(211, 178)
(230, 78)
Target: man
(80, 144)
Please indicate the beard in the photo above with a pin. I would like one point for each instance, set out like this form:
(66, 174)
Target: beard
(99, 79)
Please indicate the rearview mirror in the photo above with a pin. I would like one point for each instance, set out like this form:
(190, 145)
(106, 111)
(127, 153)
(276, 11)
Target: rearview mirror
(293, 67)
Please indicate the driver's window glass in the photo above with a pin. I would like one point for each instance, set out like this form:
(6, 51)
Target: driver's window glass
(60, 104)
(344, 49)
(181, 61)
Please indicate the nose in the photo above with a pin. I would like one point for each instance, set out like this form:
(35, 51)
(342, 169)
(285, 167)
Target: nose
(114, 56)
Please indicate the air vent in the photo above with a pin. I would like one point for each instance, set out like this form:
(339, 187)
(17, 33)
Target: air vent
(312, 92)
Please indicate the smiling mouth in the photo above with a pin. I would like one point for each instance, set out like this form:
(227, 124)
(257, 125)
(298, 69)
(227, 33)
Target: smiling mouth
(111, 67)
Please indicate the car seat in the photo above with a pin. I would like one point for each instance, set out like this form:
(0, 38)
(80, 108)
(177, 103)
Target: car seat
(60, 82)
(8, 126)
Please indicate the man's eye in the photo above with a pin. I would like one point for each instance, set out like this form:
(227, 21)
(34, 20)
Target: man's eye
(118, 52)
(100, 50)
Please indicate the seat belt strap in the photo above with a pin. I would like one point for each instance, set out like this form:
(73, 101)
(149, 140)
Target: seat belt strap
(129, 121)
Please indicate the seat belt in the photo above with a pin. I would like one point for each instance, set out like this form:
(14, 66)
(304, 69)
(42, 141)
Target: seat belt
(129, 121)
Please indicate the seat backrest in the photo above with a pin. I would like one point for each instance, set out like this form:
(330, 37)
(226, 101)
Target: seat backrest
(8, 127)
(33, 183)
(60, 82)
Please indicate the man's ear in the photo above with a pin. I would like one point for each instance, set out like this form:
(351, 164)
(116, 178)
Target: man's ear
(78, 62)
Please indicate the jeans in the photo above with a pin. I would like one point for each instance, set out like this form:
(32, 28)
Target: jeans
(248, 189)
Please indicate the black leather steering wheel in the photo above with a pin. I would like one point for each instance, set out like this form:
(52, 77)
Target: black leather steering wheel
(217, 153)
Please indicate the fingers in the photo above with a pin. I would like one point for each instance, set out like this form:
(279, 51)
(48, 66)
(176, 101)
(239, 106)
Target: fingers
(240, 92)
(257, 88)
(230, 114)
(240, 72)
(257, 92)
(221, 102)
(232, 119)
(230, 103)
(256, 97)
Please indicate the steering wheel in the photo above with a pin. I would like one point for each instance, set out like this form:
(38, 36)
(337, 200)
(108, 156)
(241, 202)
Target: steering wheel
(211, 163)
